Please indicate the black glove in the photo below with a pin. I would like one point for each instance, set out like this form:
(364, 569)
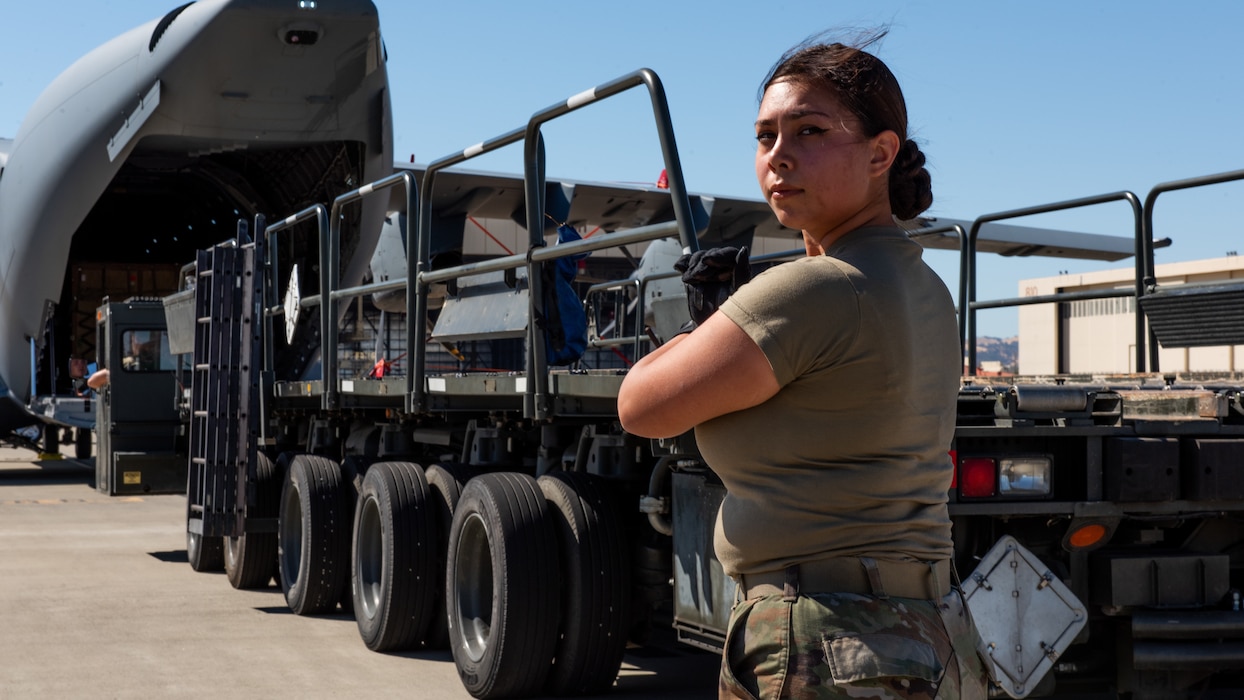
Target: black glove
(711, 276)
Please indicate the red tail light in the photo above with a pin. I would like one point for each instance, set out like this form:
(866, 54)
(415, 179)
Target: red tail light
(978, 477)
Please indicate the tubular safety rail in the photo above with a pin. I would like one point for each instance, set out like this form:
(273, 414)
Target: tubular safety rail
(967, 260)
(418, 256)
(320, 214)
(1146, 341)
(535, 186)
(330, 274)
(419, 275)
(1147, 276)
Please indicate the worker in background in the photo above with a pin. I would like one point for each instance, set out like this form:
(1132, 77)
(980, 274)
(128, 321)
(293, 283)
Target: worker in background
(144, 351)
(823, 394)
(98, 379)
(94, 380)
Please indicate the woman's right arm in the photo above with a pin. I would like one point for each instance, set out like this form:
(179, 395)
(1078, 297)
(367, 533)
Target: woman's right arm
(714, 370)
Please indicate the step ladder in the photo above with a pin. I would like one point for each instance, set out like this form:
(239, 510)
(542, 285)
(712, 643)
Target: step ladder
(224, 420)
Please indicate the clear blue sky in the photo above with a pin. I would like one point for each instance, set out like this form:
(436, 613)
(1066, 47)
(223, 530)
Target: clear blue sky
(1015, 104)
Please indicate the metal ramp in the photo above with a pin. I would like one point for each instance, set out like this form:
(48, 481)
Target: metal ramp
(1196, 315)
(489, 306)
(224, 386)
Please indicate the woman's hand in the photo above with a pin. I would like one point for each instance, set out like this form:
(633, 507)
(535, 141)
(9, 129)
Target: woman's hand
(711, 276)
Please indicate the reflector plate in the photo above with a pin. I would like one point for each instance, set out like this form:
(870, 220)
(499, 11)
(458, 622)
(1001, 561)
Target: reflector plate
(1026, 616)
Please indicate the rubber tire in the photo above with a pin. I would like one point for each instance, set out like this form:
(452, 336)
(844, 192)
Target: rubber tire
(595, 585)
(393, 569)
(205, 554)
(445, 483)
(313, 539)
(250, 559)
(82, 443)
(51, 439)
(503, 611)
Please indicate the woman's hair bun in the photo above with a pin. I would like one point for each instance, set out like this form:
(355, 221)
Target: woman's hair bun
(911, 187)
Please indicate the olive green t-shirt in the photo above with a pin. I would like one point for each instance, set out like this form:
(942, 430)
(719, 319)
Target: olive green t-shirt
(850, 457)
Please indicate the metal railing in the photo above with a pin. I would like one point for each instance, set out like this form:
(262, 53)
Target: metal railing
(969, 304)
(418, 256)
(319, 213)
(419, 275)
(1147, 276)
(330, 270)
(328, 224)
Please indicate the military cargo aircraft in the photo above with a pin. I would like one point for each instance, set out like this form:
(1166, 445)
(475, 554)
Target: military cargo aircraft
(155, 144)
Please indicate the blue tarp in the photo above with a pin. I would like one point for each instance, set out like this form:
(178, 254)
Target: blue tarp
(564, 322)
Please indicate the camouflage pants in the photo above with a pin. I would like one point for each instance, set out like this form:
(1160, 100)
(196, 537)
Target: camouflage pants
(843, 645)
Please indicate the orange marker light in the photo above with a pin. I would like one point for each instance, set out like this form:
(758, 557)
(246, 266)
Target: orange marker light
(1087, 536)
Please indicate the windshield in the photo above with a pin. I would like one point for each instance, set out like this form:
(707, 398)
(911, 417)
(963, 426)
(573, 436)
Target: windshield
(146, 351)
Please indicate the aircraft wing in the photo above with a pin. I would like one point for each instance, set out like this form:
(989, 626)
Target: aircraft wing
(1010, 240)
(613, 206)
(587, 205)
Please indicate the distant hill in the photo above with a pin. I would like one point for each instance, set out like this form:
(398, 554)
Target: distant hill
(1004, 350)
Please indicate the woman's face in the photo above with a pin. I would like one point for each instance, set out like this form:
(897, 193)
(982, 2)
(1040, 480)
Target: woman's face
(817, 170)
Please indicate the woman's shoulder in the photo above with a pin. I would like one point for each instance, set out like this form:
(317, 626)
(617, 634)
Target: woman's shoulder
(787, 289)
(812, 270)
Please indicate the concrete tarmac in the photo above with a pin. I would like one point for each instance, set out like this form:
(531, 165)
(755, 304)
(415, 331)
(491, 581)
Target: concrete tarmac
(97, 601)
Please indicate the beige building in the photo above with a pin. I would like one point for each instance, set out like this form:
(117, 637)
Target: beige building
(1098, 336)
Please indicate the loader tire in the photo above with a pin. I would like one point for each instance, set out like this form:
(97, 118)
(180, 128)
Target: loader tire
(205, 554)
(82, 443)
(313, 539)
(595, 585)
(445, 484)
(51, 439)
(250, 558)
(393, 568)
(503, 606)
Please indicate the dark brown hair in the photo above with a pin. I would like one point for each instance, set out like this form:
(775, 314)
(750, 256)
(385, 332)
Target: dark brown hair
(867, 88)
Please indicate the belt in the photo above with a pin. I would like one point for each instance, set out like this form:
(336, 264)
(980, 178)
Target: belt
(929, 580)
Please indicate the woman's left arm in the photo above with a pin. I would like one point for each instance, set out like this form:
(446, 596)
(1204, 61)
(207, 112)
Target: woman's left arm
(715, 370)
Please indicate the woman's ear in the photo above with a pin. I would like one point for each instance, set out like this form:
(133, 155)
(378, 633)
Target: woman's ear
(884, 150)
